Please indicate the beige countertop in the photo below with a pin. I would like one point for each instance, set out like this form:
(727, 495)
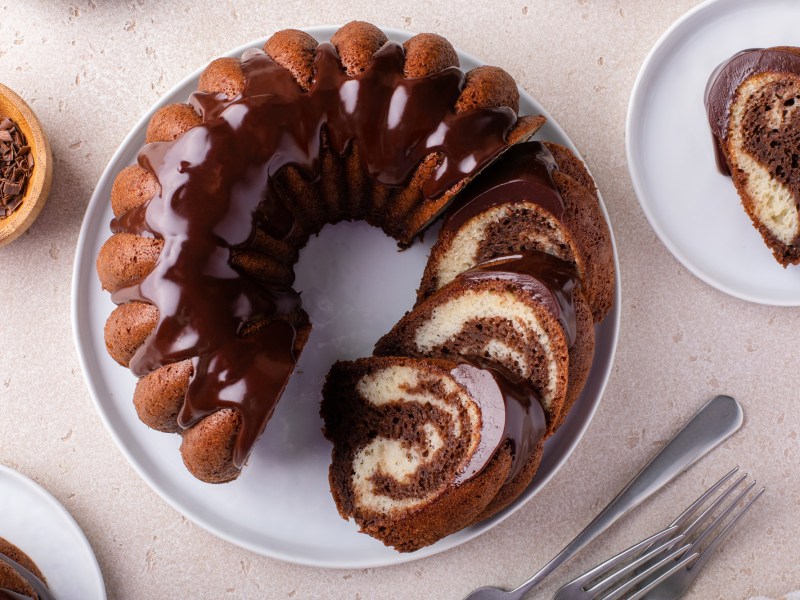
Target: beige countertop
(91, 68)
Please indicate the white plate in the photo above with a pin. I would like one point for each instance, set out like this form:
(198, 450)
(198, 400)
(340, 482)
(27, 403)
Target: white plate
(35, 522)
(355, 286)
(693, 208)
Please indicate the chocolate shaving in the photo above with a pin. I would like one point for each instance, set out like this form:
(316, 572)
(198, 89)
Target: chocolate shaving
(16, 166)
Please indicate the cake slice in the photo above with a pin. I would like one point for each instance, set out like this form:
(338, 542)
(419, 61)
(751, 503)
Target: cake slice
(539, 197)
(752, 101)
(524, 313)
(418, 446)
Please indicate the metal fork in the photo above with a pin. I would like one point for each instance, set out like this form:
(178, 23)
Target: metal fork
(666, 571)
(717, 420)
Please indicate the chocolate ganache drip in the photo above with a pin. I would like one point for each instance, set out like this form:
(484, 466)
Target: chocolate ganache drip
(524, 175)
(522, 422)
(397, 122)
(214, 195)
(725, 80)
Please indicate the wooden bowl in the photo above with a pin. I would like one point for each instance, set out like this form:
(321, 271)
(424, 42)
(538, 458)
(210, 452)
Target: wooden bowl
(38, 189)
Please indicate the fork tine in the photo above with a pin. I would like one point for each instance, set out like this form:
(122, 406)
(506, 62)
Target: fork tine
(663, 577)
(721, 516)
(656, 561)
(622, 556)
(708, 552)
(692, 569)
(640, 577)
(714, 506)
(617, 575)
(684, 516)
(680, 556)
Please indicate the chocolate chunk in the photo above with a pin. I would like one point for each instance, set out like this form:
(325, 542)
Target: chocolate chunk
(16, 166)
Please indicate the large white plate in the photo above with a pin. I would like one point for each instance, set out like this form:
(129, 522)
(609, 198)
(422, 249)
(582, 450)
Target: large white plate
(355, 286)
(35, 522)
(691, 206)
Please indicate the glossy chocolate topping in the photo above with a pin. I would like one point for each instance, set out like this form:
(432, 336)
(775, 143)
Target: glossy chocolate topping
(520, 418)
(214, 195)
(37, 584)
(524, 175)
(486, 392)
(396, 121)
(550, 279)
(725, 80)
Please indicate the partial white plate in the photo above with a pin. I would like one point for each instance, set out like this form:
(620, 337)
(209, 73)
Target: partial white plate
(36, 522)
(693, 208)
(355, 286)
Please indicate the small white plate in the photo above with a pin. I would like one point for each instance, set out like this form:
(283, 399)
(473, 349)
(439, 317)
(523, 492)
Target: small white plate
(38, 525)
(693, 208)
(355, 286)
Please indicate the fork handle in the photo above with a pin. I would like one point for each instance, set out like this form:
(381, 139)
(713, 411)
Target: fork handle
(714, 423)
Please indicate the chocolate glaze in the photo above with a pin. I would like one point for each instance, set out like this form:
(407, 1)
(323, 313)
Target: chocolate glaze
(721, 88)
(485, 390)
(524, 175)
(550, 279)
(396, 121)
(215, 181)
(37, 584)
(520, 416)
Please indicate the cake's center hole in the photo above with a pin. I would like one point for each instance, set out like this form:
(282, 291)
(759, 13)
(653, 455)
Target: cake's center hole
(355, 285)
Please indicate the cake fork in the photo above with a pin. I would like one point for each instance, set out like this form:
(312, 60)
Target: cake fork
(663, 572)
(717, 420)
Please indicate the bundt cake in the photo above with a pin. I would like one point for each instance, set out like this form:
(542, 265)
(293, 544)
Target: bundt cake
(231, 184)
(445, 425)
(524, 313)
(20, 578)
(538, 197)
(752, 101)
(422, 446)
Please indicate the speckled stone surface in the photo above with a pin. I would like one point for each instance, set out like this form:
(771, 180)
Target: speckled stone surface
(91, 68)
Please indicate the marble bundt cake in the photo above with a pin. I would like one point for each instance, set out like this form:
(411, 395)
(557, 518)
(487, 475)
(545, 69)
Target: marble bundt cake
(539, 197)
(20, 578)
(421, 446)
(209, 223)
(752, 101)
